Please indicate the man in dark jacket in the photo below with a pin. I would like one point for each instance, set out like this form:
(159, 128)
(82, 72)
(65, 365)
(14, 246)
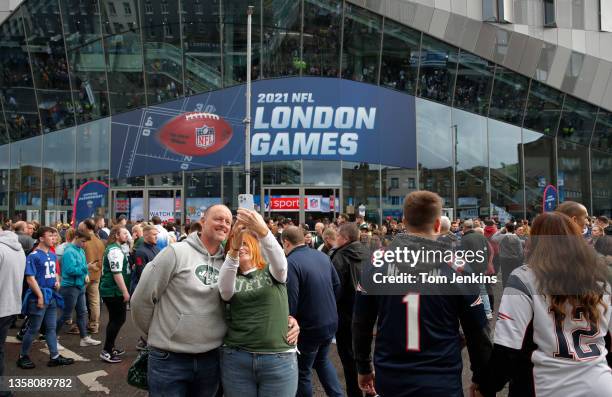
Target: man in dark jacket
(347, 260)
(147, 251)
(473, 243)
(312, 287)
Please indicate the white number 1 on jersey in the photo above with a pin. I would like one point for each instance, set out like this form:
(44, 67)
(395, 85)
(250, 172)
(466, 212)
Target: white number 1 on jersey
(413, 337)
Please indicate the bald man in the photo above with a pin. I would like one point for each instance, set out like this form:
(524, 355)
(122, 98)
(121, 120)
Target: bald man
(25, 238)
(576, 211)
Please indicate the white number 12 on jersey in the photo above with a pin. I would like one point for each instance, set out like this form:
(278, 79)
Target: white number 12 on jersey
(413, 337)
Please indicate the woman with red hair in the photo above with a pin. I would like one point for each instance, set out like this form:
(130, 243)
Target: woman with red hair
(257, 359)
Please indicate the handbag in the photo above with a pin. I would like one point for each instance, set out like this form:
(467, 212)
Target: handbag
(137, 374)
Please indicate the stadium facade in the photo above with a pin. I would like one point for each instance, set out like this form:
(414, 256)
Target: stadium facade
(499, 103)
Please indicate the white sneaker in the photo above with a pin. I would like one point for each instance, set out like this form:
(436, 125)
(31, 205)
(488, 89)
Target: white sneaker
(60, 347)
(88, 341)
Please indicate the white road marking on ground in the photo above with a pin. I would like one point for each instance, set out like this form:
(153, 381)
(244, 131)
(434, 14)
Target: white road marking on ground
(67, 353)
(91, 381)
(12, 339)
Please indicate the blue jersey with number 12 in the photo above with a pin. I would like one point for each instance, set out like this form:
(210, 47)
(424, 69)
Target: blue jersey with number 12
(41, 265)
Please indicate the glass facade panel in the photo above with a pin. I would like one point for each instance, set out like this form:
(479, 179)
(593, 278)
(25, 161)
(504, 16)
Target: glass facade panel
(123, 49)
(25, 176)
(205, 183)
(435, 149)
(437, 72)
(361, 186)
(282, 173)
(472, 169)
(167, 179)
(5, 165)
(201, 45)
(233, 183)
(573, 172)
(400, 57)
(509, 96)
(474, 82)
(505, 162)
(396, 184)
(163, 55)
(602, 136)
(601, 164)
(92, 151)
(322, 31)
(543, 108)
(539, 167)
(86, 61)
(577, 121)
(321, 173)
(202, 189)
(58, 170)
(49, 66)
(235, 39)
(19, 99)
(361, 47)
(282, 24)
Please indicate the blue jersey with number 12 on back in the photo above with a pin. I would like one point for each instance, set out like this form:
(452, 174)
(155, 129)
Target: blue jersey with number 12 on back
(41, 265)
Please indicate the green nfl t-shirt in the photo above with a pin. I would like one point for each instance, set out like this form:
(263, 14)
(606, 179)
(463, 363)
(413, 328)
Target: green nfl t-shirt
(115, 261)
(258, 314)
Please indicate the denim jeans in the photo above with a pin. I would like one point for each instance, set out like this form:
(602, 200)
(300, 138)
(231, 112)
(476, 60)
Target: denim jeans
(180, 375)
(316, 355)
(48, 315)
(484, 296)
(247, 374)
(74, 297)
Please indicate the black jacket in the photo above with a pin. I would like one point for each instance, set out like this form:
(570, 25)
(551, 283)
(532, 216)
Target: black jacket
(348, 261)
(473, 242)
(312, 288)
(144, 254)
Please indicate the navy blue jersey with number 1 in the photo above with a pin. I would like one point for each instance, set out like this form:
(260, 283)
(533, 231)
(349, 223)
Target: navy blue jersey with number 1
(418, 343)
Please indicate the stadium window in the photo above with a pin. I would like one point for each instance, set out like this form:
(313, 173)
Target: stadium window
(394, 183)
(148, 7)
(489, 10)
(411, 183)
(164, 7)
(549, 14)
(127, 9)
(111, 8)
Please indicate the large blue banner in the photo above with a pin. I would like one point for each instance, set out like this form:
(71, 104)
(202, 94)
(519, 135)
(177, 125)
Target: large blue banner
(90, 196)
(292, 118)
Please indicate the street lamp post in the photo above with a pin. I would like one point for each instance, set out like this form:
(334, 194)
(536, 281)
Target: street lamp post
(247, 120)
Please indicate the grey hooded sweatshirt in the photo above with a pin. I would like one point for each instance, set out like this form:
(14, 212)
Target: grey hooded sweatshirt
(177, 304)
(12, 269)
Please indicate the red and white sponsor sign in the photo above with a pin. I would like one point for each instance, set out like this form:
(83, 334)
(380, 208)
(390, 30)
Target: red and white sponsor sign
(292, 203)
(286, 203)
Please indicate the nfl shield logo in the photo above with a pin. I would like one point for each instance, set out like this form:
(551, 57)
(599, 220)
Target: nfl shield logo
(205, 137)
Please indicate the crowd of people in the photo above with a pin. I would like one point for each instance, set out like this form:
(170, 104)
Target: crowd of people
(240, 305)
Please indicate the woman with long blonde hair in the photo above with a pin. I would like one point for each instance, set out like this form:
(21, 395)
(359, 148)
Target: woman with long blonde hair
(554, 319)
(257, 359)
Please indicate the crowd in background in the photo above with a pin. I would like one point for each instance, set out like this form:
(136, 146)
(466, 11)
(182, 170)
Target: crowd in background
(68, 270)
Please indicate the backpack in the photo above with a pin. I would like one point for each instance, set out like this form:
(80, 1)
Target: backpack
(511, 248)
